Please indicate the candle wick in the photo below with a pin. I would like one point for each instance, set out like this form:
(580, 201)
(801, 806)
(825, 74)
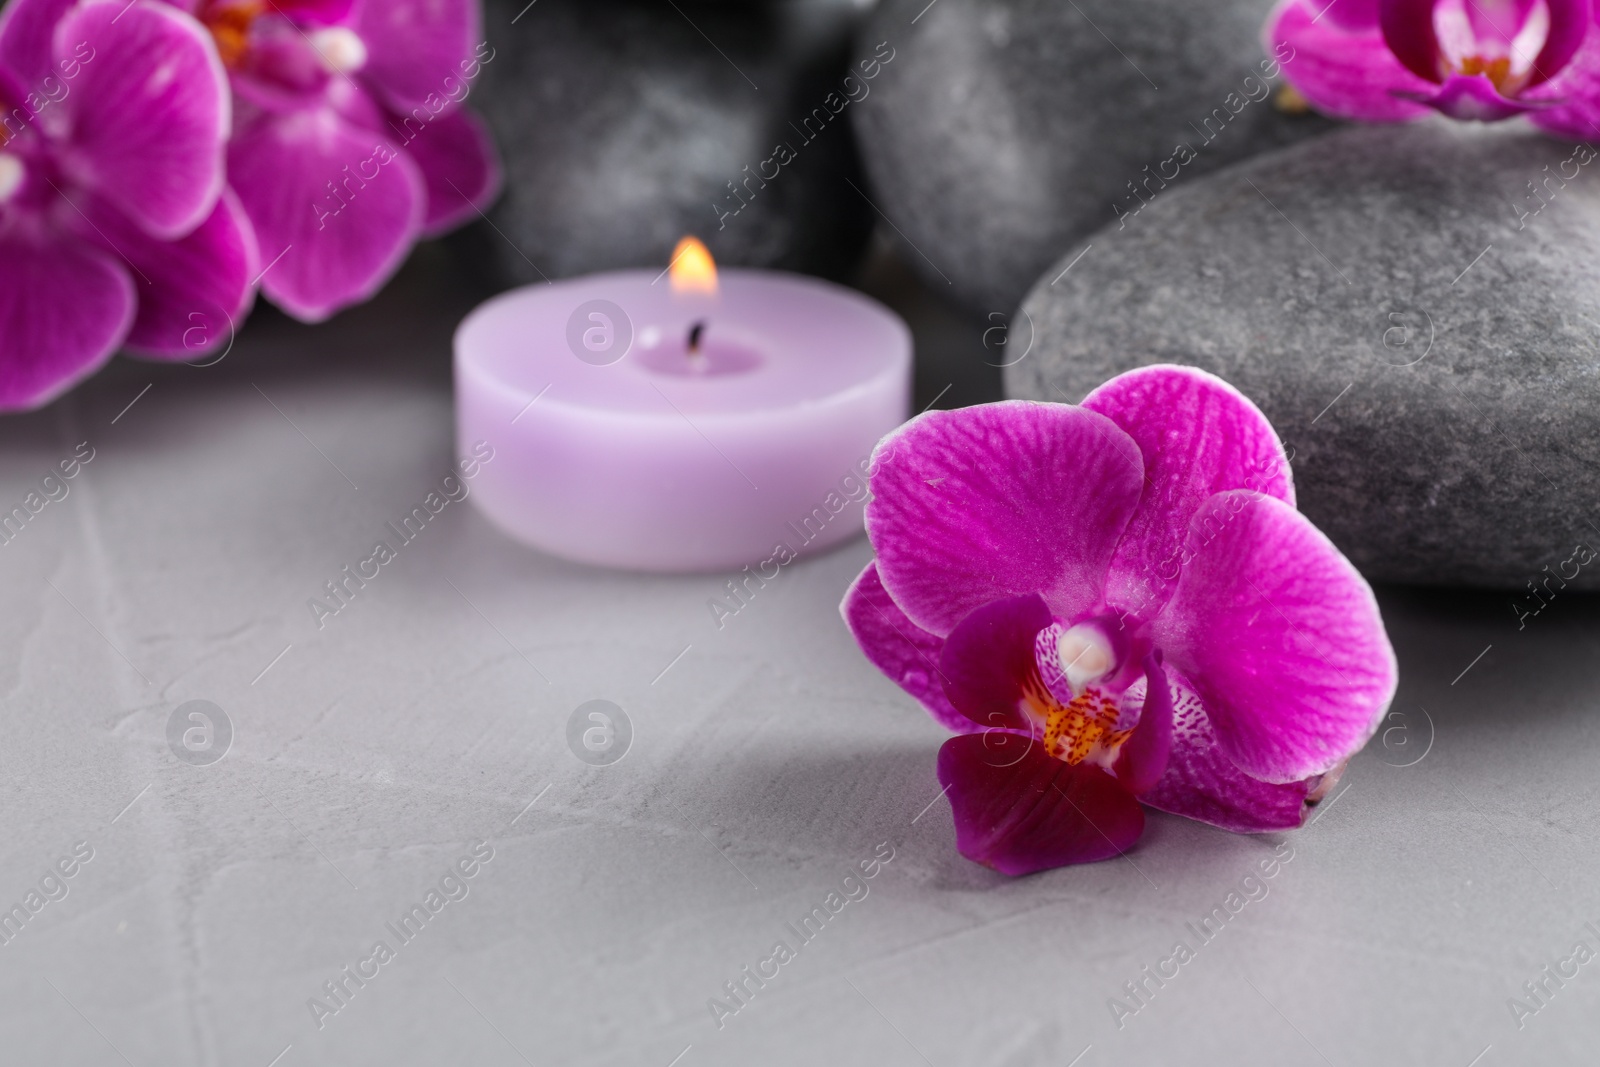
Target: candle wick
(695, 333)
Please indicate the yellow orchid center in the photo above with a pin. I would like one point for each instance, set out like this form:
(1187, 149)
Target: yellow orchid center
(1497, 70)
(229, 22)
(1085, 729)
(233, 26)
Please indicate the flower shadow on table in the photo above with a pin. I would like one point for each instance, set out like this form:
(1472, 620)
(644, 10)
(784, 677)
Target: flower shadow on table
(832, 807)
(1463, 658)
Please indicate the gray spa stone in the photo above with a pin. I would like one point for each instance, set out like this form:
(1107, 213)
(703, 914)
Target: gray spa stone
(1006, 130)
(1417, 310)
(622, 124)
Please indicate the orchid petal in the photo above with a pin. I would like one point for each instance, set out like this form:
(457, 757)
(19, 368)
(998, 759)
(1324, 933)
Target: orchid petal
(27, 29)
(14, 110)
(1280, 636)
(339, 204)
(1570, 27)
(1143, 757)
(417, 52)
(906, 653)
(1018, 810)
(1410, 34)
(64, 309)
(459, 166)
(147, 136)
(193, 292)
(1198, 436)
(1200, 782)
(282, 69)
(1573, 97)
(317, 12)
(1346, 73)
(1498, 20)
(1351, 15)
(988, 659)
(984, 503)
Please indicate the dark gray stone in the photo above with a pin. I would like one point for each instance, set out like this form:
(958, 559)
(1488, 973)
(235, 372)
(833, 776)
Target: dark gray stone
(623, 122)
(1006, 130)
(1421, 326)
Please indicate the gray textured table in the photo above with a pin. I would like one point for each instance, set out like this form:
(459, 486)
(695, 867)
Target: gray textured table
(370, 756)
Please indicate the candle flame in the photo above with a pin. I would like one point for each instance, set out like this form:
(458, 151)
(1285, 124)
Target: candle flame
(693, 270)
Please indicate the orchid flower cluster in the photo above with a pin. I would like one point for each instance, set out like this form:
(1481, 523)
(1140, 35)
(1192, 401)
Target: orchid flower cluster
(1116, 605)
(160, 159)
(1393, 60)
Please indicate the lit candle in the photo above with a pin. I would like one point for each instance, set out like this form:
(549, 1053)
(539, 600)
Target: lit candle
(681, 421)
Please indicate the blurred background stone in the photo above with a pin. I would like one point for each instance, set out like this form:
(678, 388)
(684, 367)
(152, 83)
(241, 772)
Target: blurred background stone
(1005, 131)
(1420, 325)
(627, 124)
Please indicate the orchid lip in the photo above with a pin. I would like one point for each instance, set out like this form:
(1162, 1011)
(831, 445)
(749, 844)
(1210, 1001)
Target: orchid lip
(1076, 695)
(1474, 97)
(12, 175)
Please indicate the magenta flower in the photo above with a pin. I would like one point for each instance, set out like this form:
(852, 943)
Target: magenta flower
(1111, 604)
(350, 142)
(1391, 60)
(113, 226)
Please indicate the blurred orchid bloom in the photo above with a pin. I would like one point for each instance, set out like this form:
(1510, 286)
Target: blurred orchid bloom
(115, 225)
(350, 140)
(1392, 60)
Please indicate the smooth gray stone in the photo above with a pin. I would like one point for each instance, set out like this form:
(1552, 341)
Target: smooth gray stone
(1006, 130)
(1424, 336)
(623, 123)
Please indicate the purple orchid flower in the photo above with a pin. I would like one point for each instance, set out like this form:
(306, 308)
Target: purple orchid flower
(350, 141)
(1392, 60)
(1116, 603)
(115, 228)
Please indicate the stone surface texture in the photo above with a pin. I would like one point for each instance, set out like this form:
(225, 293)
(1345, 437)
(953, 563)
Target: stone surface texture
(1005, 131)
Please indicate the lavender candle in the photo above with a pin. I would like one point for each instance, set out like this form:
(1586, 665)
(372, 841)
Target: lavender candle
(680, 421)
